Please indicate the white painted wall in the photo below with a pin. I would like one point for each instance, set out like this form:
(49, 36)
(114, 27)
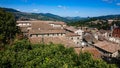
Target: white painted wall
(76, 39)
(115, 40)
(46, 35)
(96, 36)
(115, 54)
(79, 32)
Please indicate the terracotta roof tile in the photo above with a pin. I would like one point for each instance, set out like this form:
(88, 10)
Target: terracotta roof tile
(93, 51)
(71, 29)
(108, 46)
(42, 25)
(68, 34)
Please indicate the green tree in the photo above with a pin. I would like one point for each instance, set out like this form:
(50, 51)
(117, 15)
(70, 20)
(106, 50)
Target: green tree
(8, 27)
(22, 54)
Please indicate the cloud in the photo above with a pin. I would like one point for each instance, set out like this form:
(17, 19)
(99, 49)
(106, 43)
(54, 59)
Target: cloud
(25, 0)
(60, 6)
(109, 1)
(35, 10)
(18, 9)
(118, 4)
(77, 12)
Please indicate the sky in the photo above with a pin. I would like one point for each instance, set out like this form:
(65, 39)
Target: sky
(82, 8)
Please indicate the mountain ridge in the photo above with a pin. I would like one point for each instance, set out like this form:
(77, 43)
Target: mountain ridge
(49, 16)
(39, 16)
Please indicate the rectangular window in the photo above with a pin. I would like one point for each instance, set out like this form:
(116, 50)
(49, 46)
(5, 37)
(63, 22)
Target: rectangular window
(30, 35)
(71, 38)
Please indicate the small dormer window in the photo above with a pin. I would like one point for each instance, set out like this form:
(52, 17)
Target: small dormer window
(36, 35)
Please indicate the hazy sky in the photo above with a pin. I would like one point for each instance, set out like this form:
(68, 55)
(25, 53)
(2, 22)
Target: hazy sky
(81, 8)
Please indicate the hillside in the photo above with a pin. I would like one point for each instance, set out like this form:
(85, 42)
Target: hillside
(99, 23)
(117, 16)
(74, 19)
(39, 16)
(48, 16)
(9, 9)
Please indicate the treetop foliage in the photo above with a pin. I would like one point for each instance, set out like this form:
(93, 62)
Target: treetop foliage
(8, 27)
(23, 54)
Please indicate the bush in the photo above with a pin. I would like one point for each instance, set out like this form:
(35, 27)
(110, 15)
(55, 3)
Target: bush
(23, 54)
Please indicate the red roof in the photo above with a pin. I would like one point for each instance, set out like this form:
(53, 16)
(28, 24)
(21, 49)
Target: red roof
(116, 32)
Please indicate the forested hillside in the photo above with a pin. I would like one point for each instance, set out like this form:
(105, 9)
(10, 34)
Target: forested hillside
(95, 23)
(117, 16)
(38, 16)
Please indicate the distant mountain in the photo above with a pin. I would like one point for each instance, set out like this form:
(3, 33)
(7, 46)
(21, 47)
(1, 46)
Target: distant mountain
(48, 16)
(9, 9)
(75, 18)
(39, 16)
(117, 16)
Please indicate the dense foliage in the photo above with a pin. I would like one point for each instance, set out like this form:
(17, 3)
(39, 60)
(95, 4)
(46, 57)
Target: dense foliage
(82, 22)
(102, 24)
(23, 54)
(8, 27)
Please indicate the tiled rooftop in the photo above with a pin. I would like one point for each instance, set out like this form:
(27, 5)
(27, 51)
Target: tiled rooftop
(41, 25)
(69, 34)
(89, 37)
(108, 46)
(92, 50)
(24, 29)
(71, 29)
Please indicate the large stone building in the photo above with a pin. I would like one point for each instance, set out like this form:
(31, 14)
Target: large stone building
(42, 31)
